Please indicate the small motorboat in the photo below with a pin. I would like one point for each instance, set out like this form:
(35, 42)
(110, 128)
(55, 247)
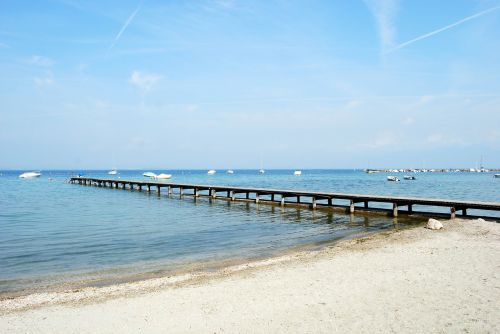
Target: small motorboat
(297, 173)
(230, 171)
(29, 175)
(113, 172)
(163, 176)
(149, 174)
(392, 178)
(409, 177)
(261, 171)
(497, 176)
(211, 172)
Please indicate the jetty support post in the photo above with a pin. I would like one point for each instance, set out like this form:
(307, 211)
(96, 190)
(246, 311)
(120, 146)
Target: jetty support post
(214, 193)
(123, 185)
(282, 200)
(366, 204)
(394, 209)
(233, 195)
(330, 201)
(169, 190)
(257, 195)
(410, 208)
(158, 189)
(464, 211)
(351, 207)
(196, 192)
(272, 197)
(247, 195)
(181, 191)
(149, 188)
(140, 187)
(298, 199)
(452, 212)
(314, 202)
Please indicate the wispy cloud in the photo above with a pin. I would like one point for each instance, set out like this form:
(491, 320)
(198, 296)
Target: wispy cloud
(125, 25)
(144, 81)
(40, 61)
(384, 12)
(45, 81)
(437, 31)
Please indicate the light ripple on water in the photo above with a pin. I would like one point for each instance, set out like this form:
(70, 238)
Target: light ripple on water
(53, 231)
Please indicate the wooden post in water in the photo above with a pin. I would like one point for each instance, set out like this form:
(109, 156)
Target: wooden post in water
(196, 194)
(272, 197)
(314, 202)
(181, 191)
(140, 187)
(298, 199)
(123, 185)
(366, 204)
(149, 188)
(247, 196)
(158, 190)
(394, 209)
(464, 212)
(410, 208)
(330, 202)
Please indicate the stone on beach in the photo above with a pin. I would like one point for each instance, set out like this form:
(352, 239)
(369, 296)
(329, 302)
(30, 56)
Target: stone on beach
(434, 224)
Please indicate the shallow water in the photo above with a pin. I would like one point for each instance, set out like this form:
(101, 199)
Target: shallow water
(51, 231)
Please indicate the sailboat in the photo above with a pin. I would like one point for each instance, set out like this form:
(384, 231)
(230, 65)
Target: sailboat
(261, 170)
(113, 172)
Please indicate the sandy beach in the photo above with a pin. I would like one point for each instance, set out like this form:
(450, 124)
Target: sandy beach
(410, 281)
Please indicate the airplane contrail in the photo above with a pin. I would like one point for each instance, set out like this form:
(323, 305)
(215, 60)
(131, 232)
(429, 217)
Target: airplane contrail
(125, 25)
(432, 33)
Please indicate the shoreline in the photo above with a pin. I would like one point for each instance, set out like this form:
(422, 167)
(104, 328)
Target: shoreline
(114, 287)
(401, 280)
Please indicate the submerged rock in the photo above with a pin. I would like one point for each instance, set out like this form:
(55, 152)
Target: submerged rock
(434, 224)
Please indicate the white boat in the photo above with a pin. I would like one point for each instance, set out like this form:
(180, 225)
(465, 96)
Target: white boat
(497, 175)
(211, 172)
(230, 171)
(261, 171)
(113, 172)
(28, 175)
(409, 177)
(297, 173)
(149, 174)
(163, 176)
(392, 178)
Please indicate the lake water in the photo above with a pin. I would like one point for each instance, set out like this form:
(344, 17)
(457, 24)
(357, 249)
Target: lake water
(52, 232)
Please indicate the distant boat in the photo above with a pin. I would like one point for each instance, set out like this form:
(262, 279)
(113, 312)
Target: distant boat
(211, 172)
(113, 172)
(261, 171)
(392, 178)
(230, 171)
(371, 171)
(29, 175)
(497, 175)
(163, 176)
(297, 173)
(149, 174)
(409, 177)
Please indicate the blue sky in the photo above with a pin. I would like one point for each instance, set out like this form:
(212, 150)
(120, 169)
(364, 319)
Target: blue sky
(228, 83)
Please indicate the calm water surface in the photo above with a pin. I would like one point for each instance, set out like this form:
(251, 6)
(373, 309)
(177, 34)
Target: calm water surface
(51, 231)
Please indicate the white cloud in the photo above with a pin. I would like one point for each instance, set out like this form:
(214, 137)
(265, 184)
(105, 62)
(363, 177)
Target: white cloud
(144, 81)
(40, 61)
(384, 12)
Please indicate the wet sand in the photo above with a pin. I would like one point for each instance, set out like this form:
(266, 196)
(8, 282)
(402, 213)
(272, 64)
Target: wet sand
(411, 281)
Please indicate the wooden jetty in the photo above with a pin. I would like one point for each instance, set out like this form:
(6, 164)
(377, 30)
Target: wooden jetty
(311, 199)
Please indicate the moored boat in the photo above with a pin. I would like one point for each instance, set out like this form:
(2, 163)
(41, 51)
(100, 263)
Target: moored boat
(230, 171)
(497, 175)
(149, 174)
(163, 176)
(409, 177)
(297, 173)
(211, 172)
(392, 178)
(113, 172)
(29, 175)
